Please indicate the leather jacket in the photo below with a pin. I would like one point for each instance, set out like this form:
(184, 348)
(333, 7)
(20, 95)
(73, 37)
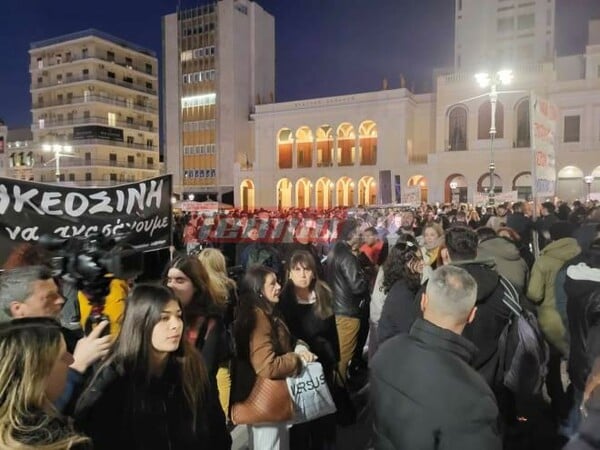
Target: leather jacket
(346, 280)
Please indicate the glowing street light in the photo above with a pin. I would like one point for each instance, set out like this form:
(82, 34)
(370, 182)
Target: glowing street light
(59, 151)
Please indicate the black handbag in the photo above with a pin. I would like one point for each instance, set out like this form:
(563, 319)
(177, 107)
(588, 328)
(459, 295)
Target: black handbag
(346, 410)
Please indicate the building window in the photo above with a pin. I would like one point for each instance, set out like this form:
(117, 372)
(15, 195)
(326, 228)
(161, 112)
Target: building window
(88, 176)
(86, 114)
(150, 162)
(129, 120)
(525, 21)
(149, 69)
(110, 75)
(149, 143)
(71, 177)
(85, 73)
(505, 24)
(523, 125)
(129, 63)
(130, 161)
(112, 159)
(110, 56)
(149, 124)
(571, 129)
(112, 119)
(88, 157)
(113, 177)
(84, 52)
(485, 121)
(41, 124)
(40, 63)
(457, 129)
(148, 85)
(130, 139)
(128, 79)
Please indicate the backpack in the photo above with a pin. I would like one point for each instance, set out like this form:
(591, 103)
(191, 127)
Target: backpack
(522, 349)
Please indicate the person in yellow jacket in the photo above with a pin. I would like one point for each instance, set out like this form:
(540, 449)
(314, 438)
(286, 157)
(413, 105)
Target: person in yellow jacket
(114, 305)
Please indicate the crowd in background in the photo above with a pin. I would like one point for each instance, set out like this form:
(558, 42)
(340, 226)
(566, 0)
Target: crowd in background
(411, 301)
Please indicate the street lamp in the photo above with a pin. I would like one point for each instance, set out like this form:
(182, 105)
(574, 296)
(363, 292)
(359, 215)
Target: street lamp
(453, 187)
(191, 197)
(59, 151)
(485, 80)
(589, 179)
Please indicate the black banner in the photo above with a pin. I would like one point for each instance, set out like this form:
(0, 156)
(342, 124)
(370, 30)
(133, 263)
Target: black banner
(97, 132)
(141, 210)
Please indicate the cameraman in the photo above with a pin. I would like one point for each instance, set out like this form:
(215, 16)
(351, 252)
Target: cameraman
(32, 292)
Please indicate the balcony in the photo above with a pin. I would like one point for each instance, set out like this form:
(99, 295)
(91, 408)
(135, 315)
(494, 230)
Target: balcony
(106, 79)
(83, 163)
(96, 98)
(82, 142)
(78, 58)
(93, 121)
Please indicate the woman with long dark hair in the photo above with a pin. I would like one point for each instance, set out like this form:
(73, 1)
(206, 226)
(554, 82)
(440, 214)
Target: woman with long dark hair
(153, 391)
(203, 310)
(265, 348)
(306, 305)
(401, 282)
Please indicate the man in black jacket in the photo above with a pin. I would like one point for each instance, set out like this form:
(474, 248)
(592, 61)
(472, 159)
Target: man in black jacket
(582, 286)
(350, 289)
(430, 397)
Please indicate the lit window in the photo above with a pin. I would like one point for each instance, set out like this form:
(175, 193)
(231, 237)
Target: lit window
(112, 119)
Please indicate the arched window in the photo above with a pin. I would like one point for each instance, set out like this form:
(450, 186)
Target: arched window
(523, 125)
(457, 129)
(485, 121)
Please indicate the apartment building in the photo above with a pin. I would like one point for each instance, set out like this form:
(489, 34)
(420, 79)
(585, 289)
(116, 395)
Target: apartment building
(17, 160)
(95, 107)
(490, 34)
(219, 62)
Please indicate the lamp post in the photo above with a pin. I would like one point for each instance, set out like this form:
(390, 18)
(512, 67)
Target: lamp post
(485, 80)
(589, 179)
(453, 187)
(59, 151)
(191, 197)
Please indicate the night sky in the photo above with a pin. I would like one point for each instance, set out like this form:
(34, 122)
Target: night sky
(324, 47)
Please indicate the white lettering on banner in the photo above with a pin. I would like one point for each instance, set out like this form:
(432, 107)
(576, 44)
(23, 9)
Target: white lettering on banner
(149, 225)
(77, 204)
(24, 234)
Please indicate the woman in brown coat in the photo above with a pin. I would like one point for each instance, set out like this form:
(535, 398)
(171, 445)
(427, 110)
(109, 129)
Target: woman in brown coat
(265, 348)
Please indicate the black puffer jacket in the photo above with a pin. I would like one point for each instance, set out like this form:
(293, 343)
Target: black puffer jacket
(582, 286)
(346, 280)
(490, 319)
(426, 397)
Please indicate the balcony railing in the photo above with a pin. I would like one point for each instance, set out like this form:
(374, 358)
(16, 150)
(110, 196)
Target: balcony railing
(93, 121)
(96, 98)
(77, 143)
(77, 58)
(74, 163)
(106, 79)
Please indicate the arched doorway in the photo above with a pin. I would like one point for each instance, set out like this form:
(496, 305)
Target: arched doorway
(367, 191)
(421, 182)
(284, 194)
(247, 195)
(324, 188)
(303, 190)
(456, 189)
(522, 184)
(285, 145)
(346, 142)
(344, 189)
(304, 147)
(367, 135)
(569, 184)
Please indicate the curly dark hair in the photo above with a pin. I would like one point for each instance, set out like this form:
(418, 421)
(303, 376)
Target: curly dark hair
(396, 266)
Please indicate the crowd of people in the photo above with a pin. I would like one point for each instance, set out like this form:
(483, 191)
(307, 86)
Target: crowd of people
(412, 302)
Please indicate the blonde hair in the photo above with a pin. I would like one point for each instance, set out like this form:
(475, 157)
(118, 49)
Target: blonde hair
(28, 351)
(213, 262)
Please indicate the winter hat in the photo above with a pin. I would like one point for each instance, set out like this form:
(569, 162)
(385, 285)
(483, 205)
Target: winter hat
(561, 229)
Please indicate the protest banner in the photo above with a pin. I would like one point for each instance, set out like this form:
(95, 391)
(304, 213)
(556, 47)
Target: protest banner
(141, 211)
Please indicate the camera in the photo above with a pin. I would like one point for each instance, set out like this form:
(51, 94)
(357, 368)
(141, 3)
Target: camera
(91, 263)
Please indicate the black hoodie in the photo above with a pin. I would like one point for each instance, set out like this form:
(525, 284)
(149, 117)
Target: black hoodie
(582, 287)
(490, 319)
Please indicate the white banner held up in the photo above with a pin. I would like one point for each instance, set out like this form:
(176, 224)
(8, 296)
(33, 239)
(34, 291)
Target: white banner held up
(481, 198)
(411, 195)
(543, 135)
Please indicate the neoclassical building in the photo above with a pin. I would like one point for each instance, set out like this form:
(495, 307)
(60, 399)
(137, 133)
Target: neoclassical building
(369, 148)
